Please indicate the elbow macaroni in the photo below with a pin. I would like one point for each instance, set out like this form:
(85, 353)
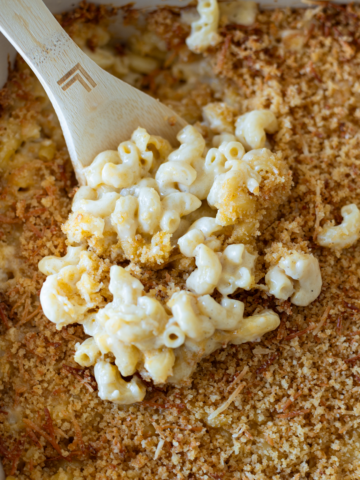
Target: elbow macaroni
(345, 234)
(51, 265)
(137, 195)
(136, 200)
(252, 127)
(230, 312)
(206, 277)
(113, 388)
(179, 169)
(68, 294)
(87, 353)
(227, 271)
(204, 31)
(238, 267)
(137, 330)
(297, 275)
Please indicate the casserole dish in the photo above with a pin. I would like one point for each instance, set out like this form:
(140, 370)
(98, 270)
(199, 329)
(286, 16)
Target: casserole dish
(61, 6)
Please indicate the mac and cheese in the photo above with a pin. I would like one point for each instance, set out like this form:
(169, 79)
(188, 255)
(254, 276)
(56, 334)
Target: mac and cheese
(296, 275)
(204, 31)
(137, 202)
(227, 271)
(135, 328)
(345, 234)
(252, 127)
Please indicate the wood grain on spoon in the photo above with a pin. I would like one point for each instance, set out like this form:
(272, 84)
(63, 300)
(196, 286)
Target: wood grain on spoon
(96, 110)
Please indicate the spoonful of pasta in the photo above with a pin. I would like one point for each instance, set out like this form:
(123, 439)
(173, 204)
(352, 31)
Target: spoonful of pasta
(96, 110)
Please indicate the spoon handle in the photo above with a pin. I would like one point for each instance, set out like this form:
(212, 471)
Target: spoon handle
(57, 62)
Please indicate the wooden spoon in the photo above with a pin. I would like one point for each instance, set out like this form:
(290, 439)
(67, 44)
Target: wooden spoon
(96, 110)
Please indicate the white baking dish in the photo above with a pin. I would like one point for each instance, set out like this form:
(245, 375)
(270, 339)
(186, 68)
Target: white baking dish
(56, 6)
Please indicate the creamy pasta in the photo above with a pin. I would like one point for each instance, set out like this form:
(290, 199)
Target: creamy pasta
(296, 275)
(345, 234)
(135, 202)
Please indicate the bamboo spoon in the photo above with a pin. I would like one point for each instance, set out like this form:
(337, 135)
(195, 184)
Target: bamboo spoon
(96, 110)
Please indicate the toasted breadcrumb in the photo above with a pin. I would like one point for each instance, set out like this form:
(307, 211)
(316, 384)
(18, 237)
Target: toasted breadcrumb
(53, 425)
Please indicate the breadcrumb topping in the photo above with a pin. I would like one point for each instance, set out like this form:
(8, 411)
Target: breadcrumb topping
(295, 414)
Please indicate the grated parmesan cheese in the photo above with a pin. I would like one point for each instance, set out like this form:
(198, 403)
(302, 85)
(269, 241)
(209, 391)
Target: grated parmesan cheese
(159, 448)
(228, 402)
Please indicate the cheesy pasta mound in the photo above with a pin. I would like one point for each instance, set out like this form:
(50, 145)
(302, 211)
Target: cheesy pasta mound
(144, 202)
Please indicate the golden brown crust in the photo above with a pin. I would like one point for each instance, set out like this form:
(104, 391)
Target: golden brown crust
(297, 416)
(165, 22)
(87, 13)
